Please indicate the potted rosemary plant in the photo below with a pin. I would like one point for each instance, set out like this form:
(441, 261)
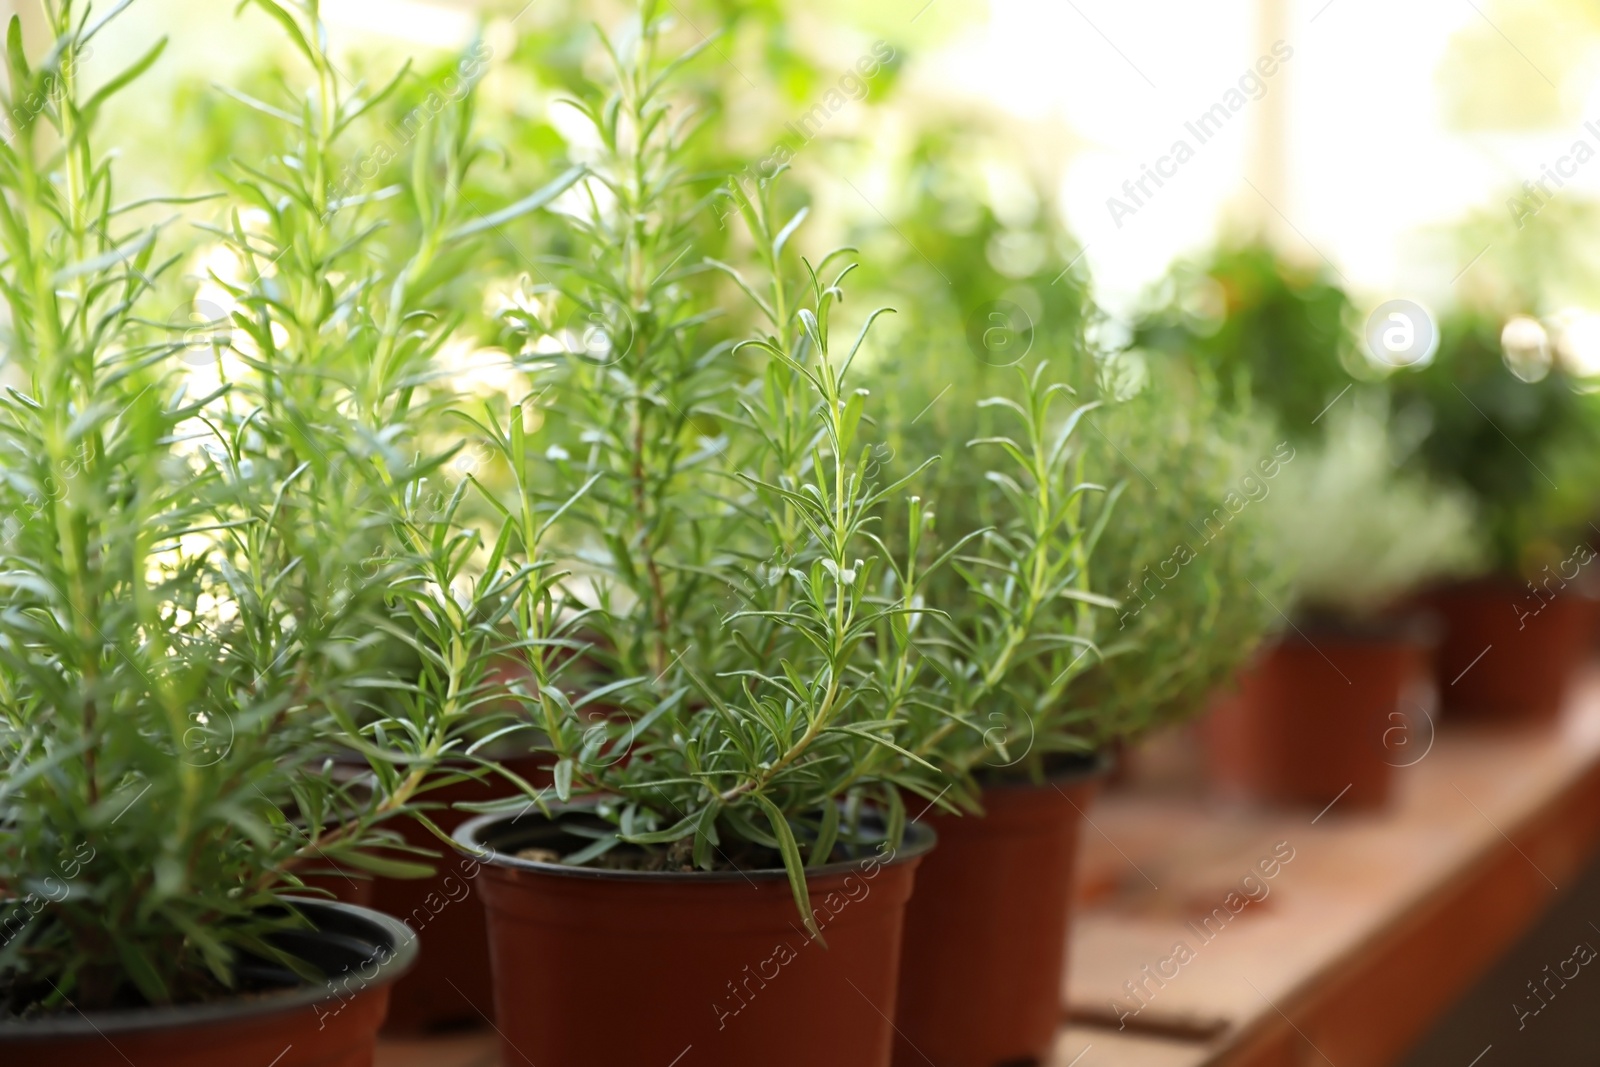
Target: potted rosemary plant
(209, 535)
(1189, 543)
(1042, 679)
(352, 347)
(730, 746)
(990, 918)
(1323, 713)
(1050, 648)
(1015, 506)
(1502, 418)
(164, 708)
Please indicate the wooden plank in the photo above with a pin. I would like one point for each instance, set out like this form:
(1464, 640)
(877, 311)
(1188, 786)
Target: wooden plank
(1078, 1047)
(1081, 1046)
(1373, 927)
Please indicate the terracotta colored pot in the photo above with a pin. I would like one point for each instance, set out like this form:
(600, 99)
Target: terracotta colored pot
(1315, 715)
(596, 968)
(1509, 654)
(329, 1024)
(451, 983)
(986, 932)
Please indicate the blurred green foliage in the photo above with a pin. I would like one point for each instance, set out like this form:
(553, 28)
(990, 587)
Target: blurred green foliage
(1528, 452)
(1356, 533)
(1285, 338)
(985, 286)
(1189, 549)
(1274, 332)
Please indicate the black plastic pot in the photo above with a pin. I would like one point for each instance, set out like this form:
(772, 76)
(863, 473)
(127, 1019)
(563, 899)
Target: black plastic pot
(285, 1023)
(713, 962)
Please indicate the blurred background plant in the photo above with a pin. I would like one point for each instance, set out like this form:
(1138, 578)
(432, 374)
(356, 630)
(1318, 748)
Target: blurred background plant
(1275, 332)
(1199, 577)
(1356, 534)
(1497, 415)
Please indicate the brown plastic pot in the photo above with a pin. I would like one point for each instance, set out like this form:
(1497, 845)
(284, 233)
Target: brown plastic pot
(450, 986)
(986, 932)
(1509, 654)
(596, 968)
(329, 1024)
(1318, 717)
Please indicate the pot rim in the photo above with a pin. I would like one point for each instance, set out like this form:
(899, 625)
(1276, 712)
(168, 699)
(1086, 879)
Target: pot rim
(1506, 583)
(1418, 628)
(919, 841)
(402, 944)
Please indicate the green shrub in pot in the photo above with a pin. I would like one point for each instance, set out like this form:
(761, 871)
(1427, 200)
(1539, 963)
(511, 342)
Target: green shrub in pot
(153, 745)
(358, 382)
(1353, 532)
(1359, 534)
(1059, 633)
(1499, 415)
(1200, 583)
(1014, 623)
(171, 682)
(1329, 709)
(731, 749)
(1068, 476)
(1502, 415)
(1181, 552)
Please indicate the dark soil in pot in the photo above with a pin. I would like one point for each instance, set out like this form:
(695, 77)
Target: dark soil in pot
(1322, 713)
(280, 1021)
(1509, 654)
(986, 932)
(598, 968)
